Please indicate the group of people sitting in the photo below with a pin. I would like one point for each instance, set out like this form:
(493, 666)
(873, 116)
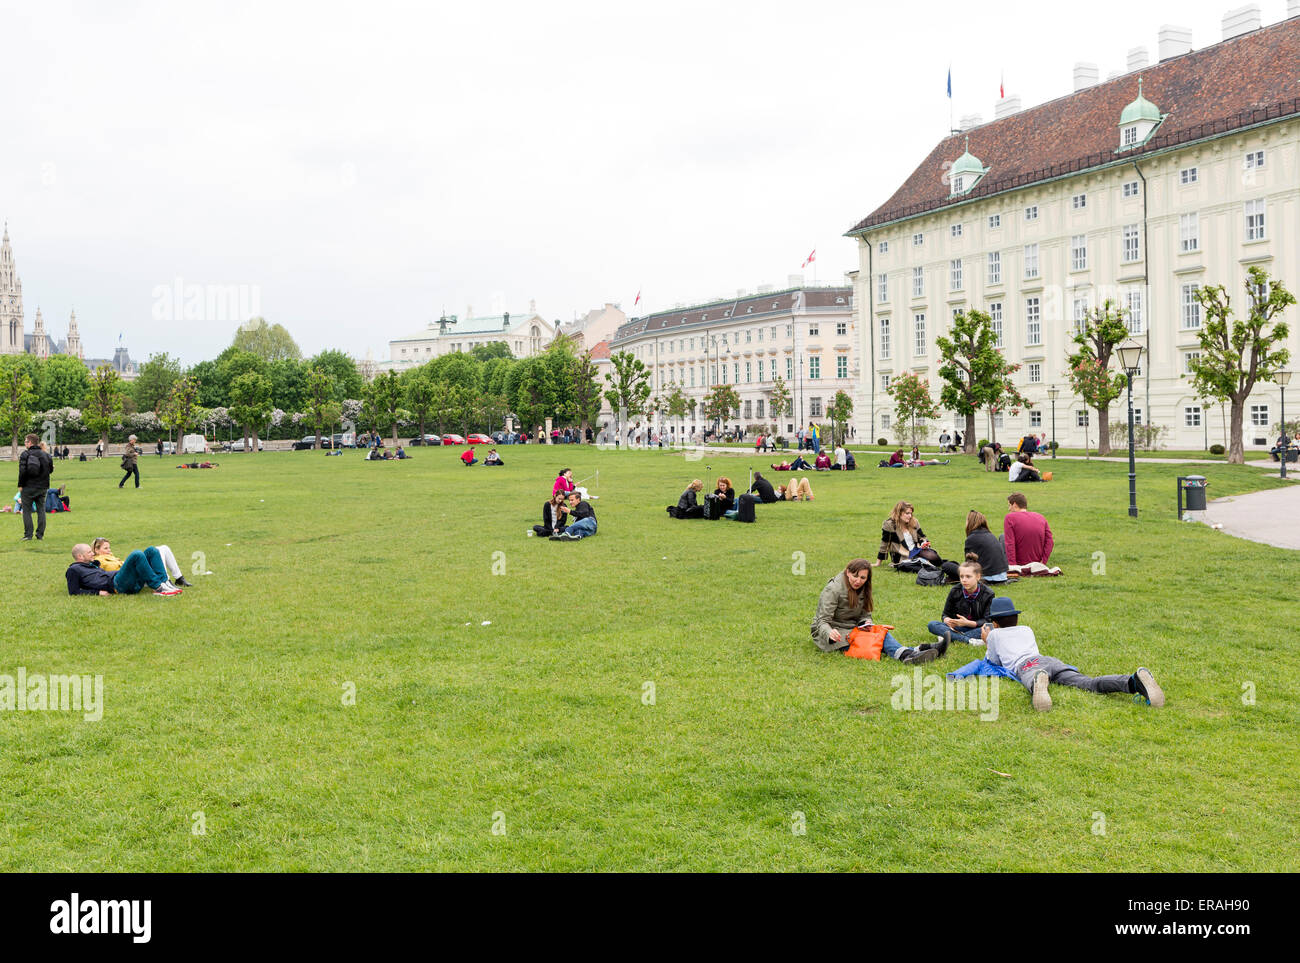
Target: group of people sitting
(492, 458)
(567, 516)
(972, 614)
(722, 501)
(95, 570)
(840, 460)
(899, 460)
(381, 453)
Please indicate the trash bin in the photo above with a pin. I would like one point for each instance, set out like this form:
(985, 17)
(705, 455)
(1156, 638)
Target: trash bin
(1191, 493)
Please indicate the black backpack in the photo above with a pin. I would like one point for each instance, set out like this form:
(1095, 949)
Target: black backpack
(929, 575)
(745, 508)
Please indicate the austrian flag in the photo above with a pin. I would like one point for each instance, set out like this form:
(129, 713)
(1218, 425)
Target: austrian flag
(811, 257)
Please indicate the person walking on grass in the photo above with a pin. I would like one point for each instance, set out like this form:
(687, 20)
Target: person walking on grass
(845, 604)
(130, 462)
(1014, 647)
(139, 569)
(34, 468)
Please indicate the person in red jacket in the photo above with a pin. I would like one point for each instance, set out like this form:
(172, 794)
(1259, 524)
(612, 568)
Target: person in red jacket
(1027, 535)
(467, 456)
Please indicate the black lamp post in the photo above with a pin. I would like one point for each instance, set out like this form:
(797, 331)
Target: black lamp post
(1052, 392)
(1130, 356)
(1283, 378)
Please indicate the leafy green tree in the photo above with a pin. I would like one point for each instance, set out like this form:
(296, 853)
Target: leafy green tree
(841, 410)
(974, 372)
(270, 342)
(214, 389)
(779, 401)
(629, 383)
(383, 397)
(288, 384)
(493, 375)
(181, 409)
(720, 402)
(676, 405)
(319, 402)
(103, 405)
(532, 393)
(17, 396)
(419, 394)
(1236, 354)
(586, 392)
(343, 373)
(1103, 330)
(250, 405)
(153, 386)
(912, 402)
(62, 383)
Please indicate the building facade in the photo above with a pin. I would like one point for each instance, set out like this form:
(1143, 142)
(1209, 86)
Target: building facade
(524, 334)
(803, 336)
(1137, 190)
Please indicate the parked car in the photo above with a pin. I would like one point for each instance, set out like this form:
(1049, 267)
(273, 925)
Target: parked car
(478, 439)
(453, 440)
(309, 443)
(238, 445)
(426, 440)
(168, 448)
(345, 439)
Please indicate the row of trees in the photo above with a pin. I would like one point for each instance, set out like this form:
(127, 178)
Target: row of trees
(1235, 355)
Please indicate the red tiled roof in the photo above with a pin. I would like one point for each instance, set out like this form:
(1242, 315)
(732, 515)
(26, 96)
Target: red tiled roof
(755, 304)
(1237, 83)
(600, 351)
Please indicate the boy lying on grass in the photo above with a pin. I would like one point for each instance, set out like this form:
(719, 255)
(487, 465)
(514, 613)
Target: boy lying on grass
(1014, 647)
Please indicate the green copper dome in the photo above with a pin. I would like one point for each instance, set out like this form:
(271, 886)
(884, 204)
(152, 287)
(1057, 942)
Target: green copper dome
(1141, 109)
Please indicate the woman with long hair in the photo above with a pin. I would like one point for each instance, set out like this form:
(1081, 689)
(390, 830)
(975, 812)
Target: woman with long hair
(901, 537)
(845, 604)
(986, 548)
(553, 514)
(688, 505)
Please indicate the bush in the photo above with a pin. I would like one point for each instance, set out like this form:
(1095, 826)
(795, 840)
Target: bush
(882, 442)
(1217, 450)
(984, 442)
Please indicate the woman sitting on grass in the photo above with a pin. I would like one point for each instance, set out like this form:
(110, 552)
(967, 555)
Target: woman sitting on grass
(845, 605)
(967, 607)
(553, 514)
(1023, 470)
(724, 495)
(798, 488)
(984, 546)
(901, 537)
(688, 505)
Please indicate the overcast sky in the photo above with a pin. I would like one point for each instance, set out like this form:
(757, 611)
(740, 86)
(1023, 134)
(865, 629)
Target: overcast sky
(355, 168)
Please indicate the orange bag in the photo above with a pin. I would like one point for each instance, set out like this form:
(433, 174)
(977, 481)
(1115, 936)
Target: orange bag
(867, 643)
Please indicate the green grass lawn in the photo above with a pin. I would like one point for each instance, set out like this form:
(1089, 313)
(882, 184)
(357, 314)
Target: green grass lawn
(228, 701)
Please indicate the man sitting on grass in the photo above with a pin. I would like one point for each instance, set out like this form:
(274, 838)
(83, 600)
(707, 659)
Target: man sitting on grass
(467, 457)
(1014, 647)
(583, 520)
(85, 577)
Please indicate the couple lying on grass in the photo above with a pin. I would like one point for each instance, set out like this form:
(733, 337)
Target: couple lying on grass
(1011, 648)
(97, 571)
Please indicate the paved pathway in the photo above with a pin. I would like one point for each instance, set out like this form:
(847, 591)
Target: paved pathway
(1271, 517)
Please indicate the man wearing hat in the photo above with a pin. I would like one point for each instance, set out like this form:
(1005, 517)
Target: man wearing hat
(1014, 647)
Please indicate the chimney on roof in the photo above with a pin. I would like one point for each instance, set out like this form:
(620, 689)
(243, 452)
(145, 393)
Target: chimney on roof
(1007, 106)
(1242, 20)
(1173, 41)
(1292, 8)
(1085, 75)
(1138, 59)
(970, 120)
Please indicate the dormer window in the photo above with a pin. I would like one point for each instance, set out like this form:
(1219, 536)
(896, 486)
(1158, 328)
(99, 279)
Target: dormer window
(1130, 136)
(965, 172)
(1138, 121)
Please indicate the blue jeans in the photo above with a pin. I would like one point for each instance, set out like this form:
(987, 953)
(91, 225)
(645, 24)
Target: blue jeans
(582, 528)
(969, 634)
(890, 647)
(140, 569)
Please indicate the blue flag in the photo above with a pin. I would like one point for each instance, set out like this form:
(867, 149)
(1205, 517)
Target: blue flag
(949, 83)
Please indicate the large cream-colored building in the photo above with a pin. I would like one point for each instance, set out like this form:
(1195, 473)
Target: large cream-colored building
(525, 334)
(1175, 175)
(803, 335)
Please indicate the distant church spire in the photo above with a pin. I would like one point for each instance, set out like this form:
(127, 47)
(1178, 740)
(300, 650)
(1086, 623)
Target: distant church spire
(74, 338)
(11, 301)
(40, 343)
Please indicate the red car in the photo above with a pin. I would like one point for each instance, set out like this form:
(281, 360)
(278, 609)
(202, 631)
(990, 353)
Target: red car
(453, 440)
(480, 439)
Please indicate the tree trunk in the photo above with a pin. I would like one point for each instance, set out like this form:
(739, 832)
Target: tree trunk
(394, 436)
(968, 442)
(315, 445)
(1236, 452)
(1103, 429)
(13, 446)
(255, 442)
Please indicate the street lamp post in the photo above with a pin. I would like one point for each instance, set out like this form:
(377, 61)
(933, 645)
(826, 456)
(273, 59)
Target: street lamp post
(1283, 378)
(1052, 392)
(1130, 356)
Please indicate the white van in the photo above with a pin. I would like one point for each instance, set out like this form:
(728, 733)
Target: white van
(194, 444)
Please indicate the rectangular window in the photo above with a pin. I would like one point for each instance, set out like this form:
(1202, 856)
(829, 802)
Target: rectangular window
(995, 221)
(1035, 419)
(1130, 188)
(1079, 201)
(1259, 416)
(998, 420)
(1188, 359)
(995, 267)
(884, 337)
(1033, 322)
(692, 377)
(814, 367)
(918, 331)
(813, 330)
(1188, 175)
(918, 282)
(1137, 414)
(884, 247)
(1132, 249)
(918, 240)
(1255, 220)
(760, 335)
(841, 366)
(1130, 136)
(1254, 160)
(789, 369)
(1081, 418)
(1133, 311)
(1031, 212)
(815, 407)
(735, 372)
(954, 275)
(789, 330)
(1031, 260)
(1189, 232)
(759, 405)
(841, 328)
(884, 422)
(1191, 308)
(1192, 416)
(749, 335)
(749, 409)
(749, 371)
(882, 288)
(956, 230)
(1035, 373)
(1080, 315)
(995, 316)
(886, 381)
(1079, 252)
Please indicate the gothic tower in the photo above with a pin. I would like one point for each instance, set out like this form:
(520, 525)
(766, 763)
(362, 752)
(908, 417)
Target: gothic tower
(74, 339)
(40, 343)
(11, 301)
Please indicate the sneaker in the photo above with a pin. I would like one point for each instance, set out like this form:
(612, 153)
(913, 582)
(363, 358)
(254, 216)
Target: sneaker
(559, 537)
(1042, 701)
(25, 538)
(166, 589)
(941, 646)
(919, 656)
(182, 580)
(1145, 683)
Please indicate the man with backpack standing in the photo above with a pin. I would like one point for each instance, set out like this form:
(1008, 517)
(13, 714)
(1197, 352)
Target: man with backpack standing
(34, 468)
